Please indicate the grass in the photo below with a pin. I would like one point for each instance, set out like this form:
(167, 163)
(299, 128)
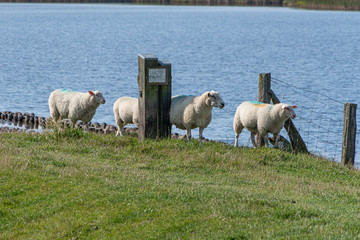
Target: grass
(325, 4)
(75, 185)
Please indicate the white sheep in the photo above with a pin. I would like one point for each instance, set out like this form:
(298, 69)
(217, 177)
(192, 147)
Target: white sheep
(189, 112)
(126, 110)
(261, 118)
(68, 104)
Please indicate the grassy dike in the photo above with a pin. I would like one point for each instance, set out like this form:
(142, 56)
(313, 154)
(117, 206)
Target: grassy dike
(353, 5)
(76, 185)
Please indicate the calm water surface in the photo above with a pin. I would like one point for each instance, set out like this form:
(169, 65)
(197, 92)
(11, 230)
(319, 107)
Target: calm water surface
(48, 46)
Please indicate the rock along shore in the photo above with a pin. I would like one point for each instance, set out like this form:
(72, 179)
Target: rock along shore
(17, 121)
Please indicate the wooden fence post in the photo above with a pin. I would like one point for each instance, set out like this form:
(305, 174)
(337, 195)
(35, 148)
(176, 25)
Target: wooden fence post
(164, 103)
(263, 96)
(349, 134)
(264, 87)
(154, 82)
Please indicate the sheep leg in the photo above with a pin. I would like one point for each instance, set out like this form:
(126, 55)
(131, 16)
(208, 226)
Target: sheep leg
(236, 139)
(54, 114)
(238, 127)
(119, 131)
(238, 130)
(276, 136)
(55, 120)
(120, 125)
(188, 134)
(266, 140)
(253, 139)
(200, 134)
(87, 126)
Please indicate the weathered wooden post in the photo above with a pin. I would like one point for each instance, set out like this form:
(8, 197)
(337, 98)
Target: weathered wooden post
(349, 134)
(264, 87)
(263, 96)
(154, 82)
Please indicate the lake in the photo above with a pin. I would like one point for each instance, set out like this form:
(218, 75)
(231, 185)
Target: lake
(313, 58)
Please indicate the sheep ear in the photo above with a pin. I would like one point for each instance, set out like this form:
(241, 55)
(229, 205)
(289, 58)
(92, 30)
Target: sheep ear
(294, 106)
(283, 107)
(90, 92)
(209, 94)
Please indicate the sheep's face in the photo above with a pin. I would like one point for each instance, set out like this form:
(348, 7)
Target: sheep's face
(215, 100)
(98, 96)
(288, 110)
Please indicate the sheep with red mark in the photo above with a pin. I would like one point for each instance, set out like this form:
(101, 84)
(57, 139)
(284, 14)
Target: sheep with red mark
(261, 118)
(72, 105)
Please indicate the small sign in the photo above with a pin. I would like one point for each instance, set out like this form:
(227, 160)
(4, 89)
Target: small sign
(158, 76)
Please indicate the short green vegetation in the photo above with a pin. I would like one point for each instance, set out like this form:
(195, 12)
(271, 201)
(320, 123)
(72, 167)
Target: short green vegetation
(75, 185)
(324, 4)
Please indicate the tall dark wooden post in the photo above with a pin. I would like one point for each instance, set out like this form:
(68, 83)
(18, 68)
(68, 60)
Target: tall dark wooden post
(349, 135)
(263, 96)
(164, 126)
(154, 82)
(264, 87)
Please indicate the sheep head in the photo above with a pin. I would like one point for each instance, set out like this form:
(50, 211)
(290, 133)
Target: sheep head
(288, 110)
(98, 96)
(214, 99)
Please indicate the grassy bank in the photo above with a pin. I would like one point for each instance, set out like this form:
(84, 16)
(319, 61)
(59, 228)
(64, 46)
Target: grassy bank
(324, 4)
(85, 186)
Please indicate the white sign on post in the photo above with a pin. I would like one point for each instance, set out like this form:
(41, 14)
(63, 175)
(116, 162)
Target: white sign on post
(157, 76)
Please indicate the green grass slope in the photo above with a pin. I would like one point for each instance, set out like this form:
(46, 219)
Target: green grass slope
(75, 185)
(324, 4)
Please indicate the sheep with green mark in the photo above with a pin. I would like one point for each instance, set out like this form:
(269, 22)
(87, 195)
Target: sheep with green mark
(189, 112)
(72, 105)
(261, 118)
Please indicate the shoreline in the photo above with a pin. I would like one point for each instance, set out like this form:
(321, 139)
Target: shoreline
(12, 122)
(306, 4)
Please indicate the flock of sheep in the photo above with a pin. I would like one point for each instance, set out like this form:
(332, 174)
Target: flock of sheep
(186, 112)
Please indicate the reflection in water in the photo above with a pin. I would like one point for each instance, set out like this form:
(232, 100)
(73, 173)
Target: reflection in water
(16, 125)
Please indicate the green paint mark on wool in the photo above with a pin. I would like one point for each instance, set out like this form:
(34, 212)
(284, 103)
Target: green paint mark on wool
(67, 90)
(261, 104)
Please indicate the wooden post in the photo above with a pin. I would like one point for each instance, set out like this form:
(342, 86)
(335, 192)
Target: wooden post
(264, 87)
(154, 82)
(263, 96)
(297, 143)
(164, 126)
(349, 134)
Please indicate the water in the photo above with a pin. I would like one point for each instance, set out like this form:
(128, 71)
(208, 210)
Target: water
(95, 47)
